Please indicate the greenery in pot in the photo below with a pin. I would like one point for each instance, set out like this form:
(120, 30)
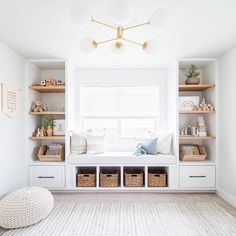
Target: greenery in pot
(192, 75)
(47, 122)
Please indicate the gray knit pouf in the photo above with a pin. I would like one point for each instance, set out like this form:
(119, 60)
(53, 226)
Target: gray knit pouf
(25, 207)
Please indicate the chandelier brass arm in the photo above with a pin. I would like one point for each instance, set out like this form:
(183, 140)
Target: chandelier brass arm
(120, 32)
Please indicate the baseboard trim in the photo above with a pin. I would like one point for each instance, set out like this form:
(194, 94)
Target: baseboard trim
(227, 197)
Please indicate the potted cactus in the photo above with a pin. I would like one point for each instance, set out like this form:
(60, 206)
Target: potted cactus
(192, 75)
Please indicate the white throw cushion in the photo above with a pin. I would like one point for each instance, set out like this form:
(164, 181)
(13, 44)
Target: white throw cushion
(164, 143)
(25, 207)
(95, 144)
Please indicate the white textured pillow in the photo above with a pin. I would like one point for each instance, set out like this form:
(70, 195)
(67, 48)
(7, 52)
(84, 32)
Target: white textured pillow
(164, 143)
(95, 144)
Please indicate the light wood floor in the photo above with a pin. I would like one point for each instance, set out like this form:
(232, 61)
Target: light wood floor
(131, 197)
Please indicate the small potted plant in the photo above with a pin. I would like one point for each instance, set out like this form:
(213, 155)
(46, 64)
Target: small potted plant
(47, 122)
(192, 75)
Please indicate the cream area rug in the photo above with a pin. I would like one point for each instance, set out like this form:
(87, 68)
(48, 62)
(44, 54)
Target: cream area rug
(96, 218)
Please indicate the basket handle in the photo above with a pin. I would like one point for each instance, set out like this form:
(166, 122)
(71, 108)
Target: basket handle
(157, 175)
(134, 175)
(109, 175)
(86, 175)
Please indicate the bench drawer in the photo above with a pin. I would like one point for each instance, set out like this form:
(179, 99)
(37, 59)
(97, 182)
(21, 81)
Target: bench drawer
(197, 177)
(47, 176)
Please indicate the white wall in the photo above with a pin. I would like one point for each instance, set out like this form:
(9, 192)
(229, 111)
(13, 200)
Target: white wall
(227, 126)
(12, 158)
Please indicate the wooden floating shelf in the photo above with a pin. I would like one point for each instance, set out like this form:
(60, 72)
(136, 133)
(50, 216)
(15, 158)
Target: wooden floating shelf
(188, 137)
(195, 112)
(48, 138)
(47, 113)
(197, 87)
(43, 89)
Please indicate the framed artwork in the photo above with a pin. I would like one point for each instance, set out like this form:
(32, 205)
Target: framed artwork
(10, 101)
(58, 127)
(187, 103)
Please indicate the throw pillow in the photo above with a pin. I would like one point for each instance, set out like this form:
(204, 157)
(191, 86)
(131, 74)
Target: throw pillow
(164, 144)
(147, 147)
(95, 144)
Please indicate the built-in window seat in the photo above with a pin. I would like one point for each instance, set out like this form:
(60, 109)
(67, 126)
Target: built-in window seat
(120, 158)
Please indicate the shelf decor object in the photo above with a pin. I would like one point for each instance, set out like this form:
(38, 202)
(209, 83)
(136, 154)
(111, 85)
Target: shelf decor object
(157, 178)
(80, 15)
(86, 178)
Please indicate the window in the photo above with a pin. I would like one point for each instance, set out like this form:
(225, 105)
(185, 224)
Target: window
(120, 111)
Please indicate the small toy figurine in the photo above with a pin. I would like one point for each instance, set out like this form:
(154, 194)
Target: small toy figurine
(38, 107)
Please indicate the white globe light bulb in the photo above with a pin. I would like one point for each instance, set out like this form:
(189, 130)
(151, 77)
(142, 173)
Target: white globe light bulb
(117, 47)
(121, 11)
(159, 18)
(150, 46)
(80, 14)
(88, 45)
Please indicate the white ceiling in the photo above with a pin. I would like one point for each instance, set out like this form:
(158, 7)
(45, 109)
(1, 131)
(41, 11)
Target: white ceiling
(43, 29)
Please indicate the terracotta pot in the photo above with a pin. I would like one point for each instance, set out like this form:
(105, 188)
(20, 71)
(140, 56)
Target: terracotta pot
(49, 131)
(192, 80)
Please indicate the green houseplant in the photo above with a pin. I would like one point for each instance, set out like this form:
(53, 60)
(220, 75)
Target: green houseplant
(47, 122)
(192, 75)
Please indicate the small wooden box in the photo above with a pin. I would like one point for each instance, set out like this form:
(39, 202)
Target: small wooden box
(134, 178)
(157, 178)
(43, 157)
(109, 178)
(200, 157)
(86, 178)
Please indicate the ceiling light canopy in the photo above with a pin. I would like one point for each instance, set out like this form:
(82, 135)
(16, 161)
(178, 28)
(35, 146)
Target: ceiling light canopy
(121, 14)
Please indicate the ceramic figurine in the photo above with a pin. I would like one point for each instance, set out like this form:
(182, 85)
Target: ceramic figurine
(201, 126)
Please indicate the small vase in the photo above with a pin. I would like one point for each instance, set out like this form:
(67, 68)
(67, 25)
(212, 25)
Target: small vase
(49, 131)
(192, 80)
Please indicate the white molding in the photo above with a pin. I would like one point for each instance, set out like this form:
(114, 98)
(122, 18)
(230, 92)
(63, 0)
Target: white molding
(227, 197)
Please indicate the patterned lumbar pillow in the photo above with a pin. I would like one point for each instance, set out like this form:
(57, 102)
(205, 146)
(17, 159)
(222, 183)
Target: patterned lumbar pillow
(164, 143)
(95, 144)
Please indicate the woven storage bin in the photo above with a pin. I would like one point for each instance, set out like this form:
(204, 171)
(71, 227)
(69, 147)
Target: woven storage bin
(109, 178)
(200, 157)
(86, 178)
(78, 144)
(134, 178)
(157, 178)
(42, 157)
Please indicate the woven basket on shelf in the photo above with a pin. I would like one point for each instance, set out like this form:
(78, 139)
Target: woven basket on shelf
(109, 178)
(157, 178)
(134, 178)
(86, 178)
(78, 144)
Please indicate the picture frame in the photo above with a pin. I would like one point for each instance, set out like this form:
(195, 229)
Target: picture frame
(187, 103)
(58, 127)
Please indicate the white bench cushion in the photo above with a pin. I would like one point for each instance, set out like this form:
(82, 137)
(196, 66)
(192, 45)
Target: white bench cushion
(120, 158)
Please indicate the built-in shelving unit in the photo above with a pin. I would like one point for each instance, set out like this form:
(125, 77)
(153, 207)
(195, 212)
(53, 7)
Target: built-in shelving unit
(206, 89)
(54, 97)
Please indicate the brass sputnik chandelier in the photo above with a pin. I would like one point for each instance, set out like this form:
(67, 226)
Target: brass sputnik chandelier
(120, 13)
(119, 35)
